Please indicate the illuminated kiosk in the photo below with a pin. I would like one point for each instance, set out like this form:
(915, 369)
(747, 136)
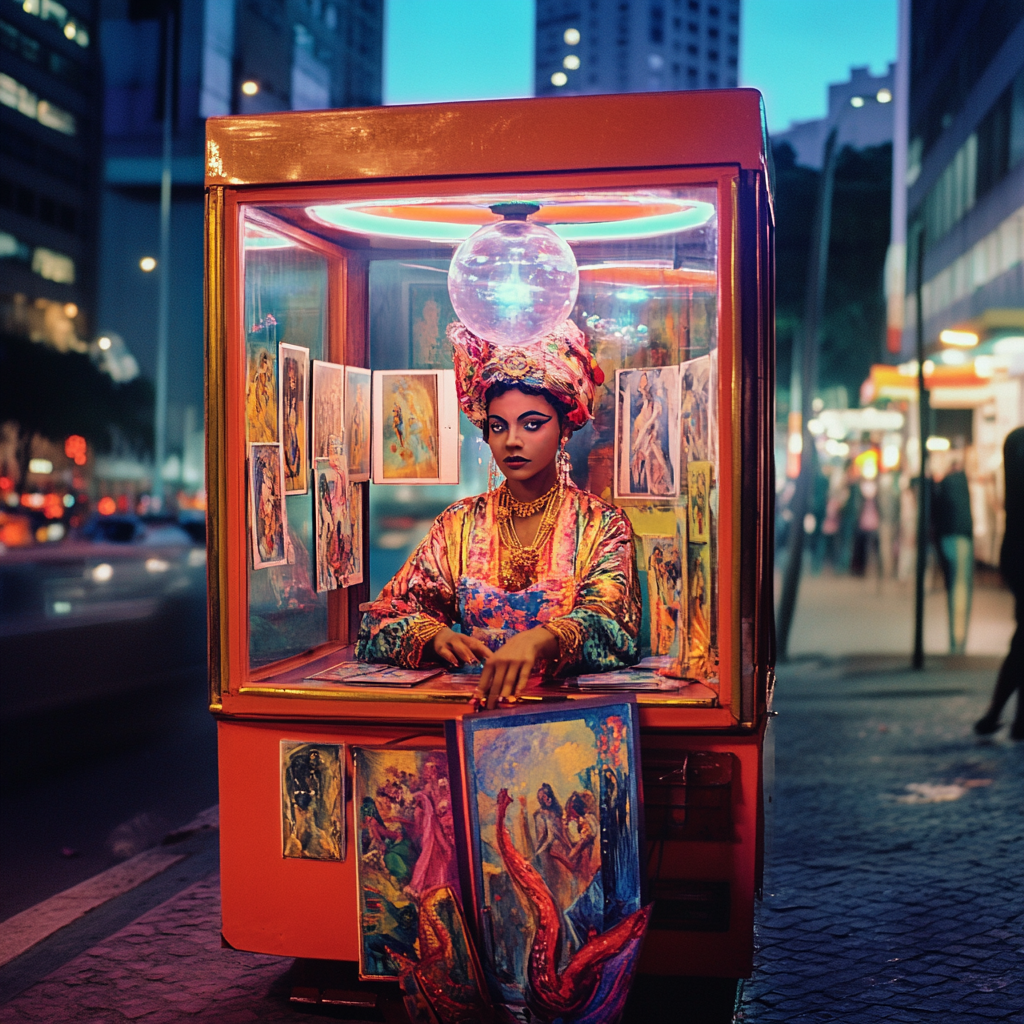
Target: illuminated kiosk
(332, 231)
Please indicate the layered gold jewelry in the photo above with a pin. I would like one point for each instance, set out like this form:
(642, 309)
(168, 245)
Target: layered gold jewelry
(524, 509)
(569, 635)
(518, 568)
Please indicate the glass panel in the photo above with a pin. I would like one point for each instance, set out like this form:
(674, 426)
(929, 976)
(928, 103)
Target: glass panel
(285, 304)
(648, 304)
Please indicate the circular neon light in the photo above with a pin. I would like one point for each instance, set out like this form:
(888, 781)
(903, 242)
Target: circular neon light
(358, 218)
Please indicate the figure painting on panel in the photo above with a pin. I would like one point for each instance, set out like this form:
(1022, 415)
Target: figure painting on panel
(405, 844)
(411, 426)
(327, 406)
(647, 434)
(261, 382)
(267, 505)
(294, 389)
(313, 792)
(694, 409)
(357, 422)
(334, 555)
(664, 575)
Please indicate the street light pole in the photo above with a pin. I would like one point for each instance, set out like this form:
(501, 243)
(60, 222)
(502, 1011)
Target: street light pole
(924, 424)
(164, 267)
(814, 305)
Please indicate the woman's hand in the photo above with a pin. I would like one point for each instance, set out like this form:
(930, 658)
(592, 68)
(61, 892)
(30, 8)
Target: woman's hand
(459, 649)
(508, 668)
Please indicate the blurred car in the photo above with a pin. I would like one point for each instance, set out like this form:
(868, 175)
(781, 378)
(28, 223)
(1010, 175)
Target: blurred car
(124, 528)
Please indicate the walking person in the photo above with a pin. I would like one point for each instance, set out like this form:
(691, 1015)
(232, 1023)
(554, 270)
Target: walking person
(954, 537)
(1011, 565)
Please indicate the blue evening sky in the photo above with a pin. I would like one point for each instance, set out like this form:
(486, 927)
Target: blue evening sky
(483, 49)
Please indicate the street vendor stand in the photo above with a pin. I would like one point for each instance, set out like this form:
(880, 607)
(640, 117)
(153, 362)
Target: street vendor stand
(327, 230)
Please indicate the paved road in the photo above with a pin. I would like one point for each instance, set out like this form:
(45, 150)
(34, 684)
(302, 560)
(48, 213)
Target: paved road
(894, 886)
(895, 889)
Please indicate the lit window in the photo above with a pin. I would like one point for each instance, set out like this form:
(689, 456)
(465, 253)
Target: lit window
(250, 88)
(856, 101)
(147, 264)
(53, 266)
(20, 98)
(104, 343)
(572, 62)
(883, 96)
(559, 78)
(571, 36)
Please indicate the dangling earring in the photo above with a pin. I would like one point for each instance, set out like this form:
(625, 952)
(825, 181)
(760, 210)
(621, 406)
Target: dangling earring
(563, 464)
(493, 475)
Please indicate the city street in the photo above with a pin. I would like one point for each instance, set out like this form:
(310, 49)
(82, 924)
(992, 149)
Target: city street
(892, 891)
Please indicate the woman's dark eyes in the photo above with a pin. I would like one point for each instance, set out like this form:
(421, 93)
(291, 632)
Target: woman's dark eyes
(534, 424)
(496, 428)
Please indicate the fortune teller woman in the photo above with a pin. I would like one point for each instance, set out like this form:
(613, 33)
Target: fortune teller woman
(538, 575)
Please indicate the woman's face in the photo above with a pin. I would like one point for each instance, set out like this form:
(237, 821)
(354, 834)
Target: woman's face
(523, 434)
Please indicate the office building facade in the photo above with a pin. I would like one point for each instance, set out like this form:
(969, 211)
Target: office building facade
(605, 46)
(50, 122)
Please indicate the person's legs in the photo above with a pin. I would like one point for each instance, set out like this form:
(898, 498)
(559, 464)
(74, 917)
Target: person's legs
(1011, 677)
(958, 569)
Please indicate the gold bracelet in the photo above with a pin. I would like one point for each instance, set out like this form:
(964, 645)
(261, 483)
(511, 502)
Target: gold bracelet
(569, 635)
(420, 632)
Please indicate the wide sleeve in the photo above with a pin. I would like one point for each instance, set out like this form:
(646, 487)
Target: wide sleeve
(414, 607)
(600, 633)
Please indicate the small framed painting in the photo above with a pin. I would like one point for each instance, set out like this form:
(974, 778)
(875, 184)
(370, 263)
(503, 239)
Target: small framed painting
(294, 408)
(328, 405)
(416, 427)
(313, 800)
(333, 524)
(647, 432)
(357, 423)
(698, 501)
(267, 513)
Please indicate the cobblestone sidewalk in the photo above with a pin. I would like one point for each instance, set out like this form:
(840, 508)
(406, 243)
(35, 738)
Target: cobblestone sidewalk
(895, 876)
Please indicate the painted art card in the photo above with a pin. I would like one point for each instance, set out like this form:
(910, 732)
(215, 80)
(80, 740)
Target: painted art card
(261, 420)
(294, 406)
(698, 502)
(664, 562)
(328, 405)
(405, 848)
(334, 555)
(699, 655)
(313, 800)
(354, 574)
(430, 313)
(550, 804)
(416, 427)
(267, 513)
(647, 432)
(695, 409)
(357, 423)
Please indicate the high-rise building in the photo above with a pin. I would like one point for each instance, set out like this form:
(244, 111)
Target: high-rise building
(965, 174)
(602, 46)
(228, 57)
(50, 107)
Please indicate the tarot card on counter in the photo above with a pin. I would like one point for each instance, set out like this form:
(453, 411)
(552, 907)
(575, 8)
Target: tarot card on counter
(405, 849)
(376, 675)
(313, 800)
(294, 417)
(550, 809)
(267, 513)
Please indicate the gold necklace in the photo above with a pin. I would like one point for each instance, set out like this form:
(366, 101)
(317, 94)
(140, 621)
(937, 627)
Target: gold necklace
(525, 509)
(518, 563)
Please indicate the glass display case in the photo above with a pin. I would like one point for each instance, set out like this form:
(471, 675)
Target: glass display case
(335, 438)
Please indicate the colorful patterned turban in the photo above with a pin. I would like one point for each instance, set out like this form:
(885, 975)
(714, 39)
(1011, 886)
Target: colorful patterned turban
(559, 363)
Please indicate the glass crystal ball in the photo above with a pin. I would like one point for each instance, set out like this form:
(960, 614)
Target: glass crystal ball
(512, 282)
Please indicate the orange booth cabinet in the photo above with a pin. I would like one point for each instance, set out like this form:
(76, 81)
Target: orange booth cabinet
(329, 236)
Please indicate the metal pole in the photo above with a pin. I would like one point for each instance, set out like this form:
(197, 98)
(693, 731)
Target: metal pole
(164, 269)
(924, 413)
(817, 277)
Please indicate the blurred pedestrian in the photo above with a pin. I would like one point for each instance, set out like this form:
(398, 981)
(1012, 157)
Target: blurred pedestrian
(1011, 565)
(954, 537)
